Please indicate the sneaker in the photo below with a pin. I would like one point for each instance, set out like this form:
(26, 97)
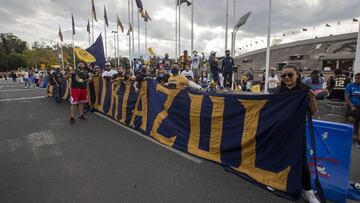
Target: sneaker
(82, 117)
(357, 144)
(72, 121)
(310, 197)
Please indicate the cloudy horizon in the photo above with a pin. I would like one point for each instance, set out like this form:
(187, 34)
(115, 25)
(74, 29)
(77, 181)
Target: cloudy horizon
(38, 20)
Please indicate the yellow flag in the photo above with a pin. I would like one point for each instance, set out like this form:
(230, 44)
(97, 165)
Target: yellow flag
(84, 55)
(256, 89)
(151, 51)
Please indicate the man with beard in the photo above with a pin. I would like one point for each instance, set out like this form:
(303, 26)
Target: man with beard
(79, 79)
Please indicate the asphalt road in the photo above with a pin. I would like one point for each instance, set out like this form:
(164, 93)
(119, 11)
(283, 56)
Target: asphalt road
(43, 159)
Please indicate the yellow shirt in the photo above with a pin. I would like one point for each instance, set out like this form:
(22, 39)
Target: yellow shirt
(179, 80)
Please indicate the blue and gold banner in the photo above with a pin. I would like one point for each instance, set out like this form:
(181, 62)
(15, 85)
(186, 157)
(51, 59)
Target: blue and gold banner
(261, 136)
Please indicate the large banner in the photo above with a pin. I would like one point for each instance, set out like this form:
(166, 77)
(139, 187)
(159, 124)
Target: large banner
(260, 136)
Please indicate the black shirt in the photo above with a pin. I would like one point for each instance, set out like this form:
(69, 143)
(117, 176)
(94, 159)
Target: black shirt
(79, 79)
(282, 89)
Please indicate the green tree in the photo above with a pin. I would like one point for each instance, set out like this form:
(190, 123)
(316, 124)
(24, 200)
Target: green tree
(16, 61)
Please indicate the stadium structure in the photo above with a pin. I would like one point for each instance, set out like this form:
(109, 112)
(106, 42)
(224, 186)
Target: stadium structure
(324, 54)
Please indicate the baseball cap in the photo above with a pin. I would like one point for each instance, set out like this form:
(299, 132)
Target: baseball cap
(213, 52)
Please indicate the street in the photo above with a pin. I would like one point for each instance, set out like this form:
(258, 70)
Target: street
(43, 159)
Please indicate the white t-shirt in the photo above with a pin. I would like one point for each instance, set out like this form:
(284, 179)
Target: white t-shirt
(196, 62)
(188, 74)
(273, 82)
(26, 75)
(221, 80)
(109, 73)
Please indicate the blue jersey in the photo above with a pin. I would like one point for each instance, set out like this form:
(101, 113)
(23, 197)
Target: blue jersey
(353, 91)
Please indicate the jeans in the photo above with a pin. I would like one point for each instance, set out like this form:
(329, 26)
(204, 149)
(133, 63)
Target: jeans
(228, 79)
(26, 80)
(57, 94)
(215, 74)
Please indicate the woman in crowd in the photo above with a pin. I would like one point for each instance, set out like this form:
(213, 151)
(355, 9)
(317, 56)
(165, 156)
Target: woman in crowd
(291, 83)
(204, 79)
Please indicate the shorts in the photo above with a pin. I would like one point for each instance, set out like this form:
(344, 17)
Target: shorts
(78, 95)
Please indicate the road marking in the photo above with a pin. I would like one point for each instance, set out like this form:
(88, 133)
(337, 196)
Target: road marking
(187, 156)
(19, 90)
(22, 98)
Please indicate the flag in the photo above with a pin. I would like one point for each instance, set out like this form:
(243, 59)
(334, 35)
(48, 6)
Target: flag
(97, 50)
(83, 55)
(147, 17)
(61, 35)
(119, 24)
(151, 51)
(140, 7)
(304, 29)
(313, 28)
(339, 23)
(284, 34)
(93, 9)
(130, 29)
(327, 25)
(73, 24)
(355, 20)
(88, 27)
(184, 1)
(242, 21)
(105, 17)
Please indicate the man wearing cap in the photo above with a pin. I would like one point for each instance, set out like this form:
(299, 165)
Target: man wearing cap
(214, 66)
(108, 72)
(196, 60)
(228, 68)
(79, 79)
(183, 60)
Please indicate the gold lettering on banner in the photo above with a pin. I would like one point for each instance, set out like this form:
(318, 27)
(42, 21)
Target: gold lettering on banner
(116, 98)
(217, 118)
(125, 102)
(113, 93)
(144, 106)
(96, 90)
(67, 88)
(248, 149)
(171, 93)
(103, 95)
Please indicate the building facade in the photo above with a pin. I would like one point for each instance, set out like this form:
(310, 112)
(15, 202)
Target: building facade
(324, 54)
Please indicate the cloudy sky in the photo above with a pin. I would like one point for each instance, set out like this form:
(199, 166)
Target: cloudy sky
(38, 20)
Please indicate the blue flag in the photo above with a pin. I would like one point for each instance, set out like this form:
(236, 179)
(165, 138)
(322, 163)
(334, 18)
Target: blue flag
(97, 50)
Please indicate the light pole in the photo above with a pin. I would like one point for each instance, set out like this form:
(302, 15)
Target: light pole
(115, 32)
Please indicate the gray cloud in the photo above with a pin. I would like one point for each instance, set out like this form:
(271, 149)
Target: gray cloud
(36, 20)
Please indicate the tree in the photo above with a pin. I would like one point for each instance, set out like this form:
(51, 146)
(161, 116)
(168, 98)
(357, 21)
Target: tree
(16, 61)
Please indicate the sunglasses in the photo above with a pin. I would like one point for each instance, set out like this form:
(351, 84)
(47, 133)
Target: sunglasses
(289, 75)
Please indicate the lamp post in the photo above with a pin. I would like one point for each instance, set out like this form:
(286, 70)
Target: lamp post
(115, 32)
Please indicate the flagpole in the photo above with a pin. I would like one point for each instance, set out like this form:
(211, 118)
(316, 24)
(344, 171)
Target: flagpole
(92, 24)
(268, 50)
(73, 43)
(138, 19)
(118, 48)
(89, 40)
(179, 47)
(357, 56)
(132, 23)
(226, 24)
(192, 27)
(129, 19)
(176, 28)
(114, 32)
(105, 41)
(62, 55)
(146, 47)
